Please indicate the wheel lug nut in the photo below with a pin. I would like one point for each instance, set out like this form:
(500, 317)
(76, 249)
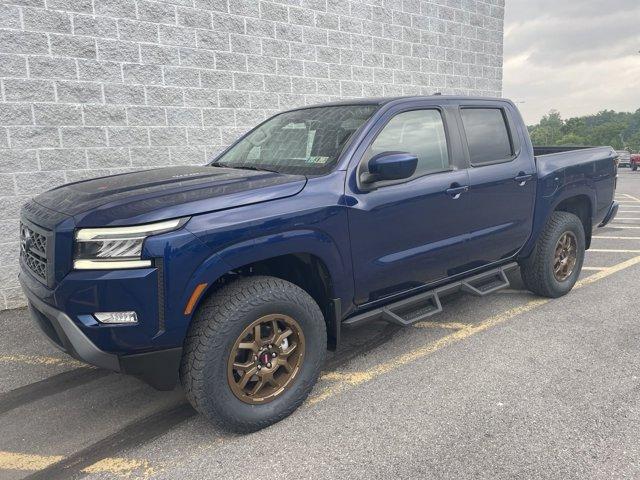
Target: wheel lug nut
(274, 355)
(259, 367)
(269, 365)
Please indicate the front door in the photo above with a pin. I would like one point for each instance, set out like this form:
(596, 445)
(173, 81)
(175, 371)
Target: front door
(412, 233)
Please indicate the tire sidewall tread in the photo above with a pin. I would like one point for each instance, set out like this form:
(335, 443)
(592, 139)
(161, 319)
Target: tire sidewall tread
(537, 269)
(218, 322)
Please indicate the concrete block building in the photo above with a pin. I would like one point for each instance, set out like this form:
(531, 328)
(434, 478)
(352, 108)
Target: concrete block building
(96, 87)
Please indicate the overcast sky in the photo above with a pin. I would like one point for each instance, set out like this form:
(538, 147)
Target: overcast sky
(575, 56)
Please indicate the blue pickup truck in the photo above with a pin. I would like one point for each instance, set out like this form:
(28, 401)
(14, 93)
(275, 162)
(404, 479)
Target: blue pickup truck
(236, 277)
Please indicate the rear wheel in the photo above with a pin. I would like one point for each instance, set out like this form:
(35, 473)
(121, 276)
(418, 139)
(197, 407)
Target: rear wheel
(253, 353)
(634, 167)
(555, 264)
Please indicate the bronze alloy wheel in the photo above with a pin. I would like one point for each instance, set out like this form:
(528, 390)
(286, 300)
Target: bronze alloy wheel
(566, 256)
(265, 358)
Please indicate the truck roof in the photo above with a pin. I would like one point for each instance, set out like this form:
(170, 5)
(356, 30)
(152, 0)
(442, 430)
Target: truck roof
(402, 99)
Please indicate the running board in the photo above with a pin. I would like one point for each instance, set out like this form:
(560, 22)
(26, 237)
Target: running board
(424, 305)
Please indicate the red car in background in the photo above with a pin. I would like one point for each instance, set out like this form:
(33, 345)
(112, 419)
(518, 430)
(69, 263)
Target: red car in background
(635, 161)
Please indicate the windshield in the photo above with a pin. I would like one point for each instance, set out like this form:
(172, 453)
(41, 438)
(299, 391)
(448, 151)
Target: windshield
(306, 141)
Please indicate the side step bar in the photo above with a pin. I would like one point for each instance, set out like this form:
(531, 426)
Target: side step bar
(423, 305)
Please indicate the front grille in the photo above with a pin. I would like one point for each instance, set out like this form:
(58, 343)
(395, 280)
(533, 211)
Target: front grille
(33, 251)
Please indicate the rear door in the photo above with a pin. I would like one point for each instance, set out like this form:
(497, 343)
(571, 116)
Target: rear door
(413, 232)
(502, 182)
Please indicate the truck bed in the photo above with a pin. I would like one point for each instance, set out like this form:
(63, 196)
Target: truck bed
(580, 158)
(547, 150)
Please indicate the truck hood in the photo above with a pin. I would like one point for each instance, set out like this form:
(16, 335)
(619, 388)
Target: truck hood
(151, 195)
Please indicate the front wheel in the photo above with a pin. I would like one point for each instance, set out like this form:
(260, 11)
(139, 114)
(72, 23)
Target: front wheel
(253, 353)
(555, 264)
(634, 167)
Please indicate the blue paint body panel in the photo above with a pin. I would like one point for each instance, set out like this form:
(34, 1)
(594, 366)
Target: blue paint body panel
(377, 244)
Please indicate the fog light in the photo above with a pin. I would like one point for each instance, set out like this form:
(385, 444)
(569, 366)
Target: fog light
(116, 317)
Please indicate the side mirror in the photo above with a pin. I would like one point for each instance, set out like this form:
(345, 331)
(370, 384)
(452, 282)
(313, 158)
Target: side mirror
(390, 166)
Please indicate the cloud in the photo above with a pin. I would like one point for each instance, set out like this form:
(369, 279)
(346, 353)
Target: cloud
(577, 56)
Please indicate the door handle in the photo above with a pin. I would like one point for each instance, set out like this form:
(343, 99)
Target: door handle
(456, 190)
(523, 178)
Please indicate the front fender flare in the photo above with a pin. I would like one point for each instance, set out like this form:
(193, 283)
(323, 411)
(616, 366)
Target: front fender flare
(307, 241)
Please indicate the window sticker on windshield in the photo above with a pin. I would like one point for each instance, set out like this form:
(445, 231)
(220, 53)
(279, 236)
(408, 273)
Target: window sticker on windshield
(318, 160)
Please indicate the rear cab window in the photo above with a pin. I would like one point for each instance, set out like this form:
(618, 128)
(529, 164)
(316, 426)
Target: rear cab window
(488, 136)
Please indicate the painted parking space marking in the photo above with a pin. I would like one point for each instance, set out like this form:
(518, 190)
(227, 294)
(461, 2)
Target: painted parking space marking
(26, 461)
(127, 468)
(120, 467)
(342, 381)
(611, 250)
(631, 197)
(445, 325)
(606, 237)
(40, 360)
(105, 453)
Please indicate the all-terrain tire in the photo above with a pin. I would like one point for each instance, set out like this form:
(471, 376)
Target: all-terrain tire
(218, 323)
(537, 270)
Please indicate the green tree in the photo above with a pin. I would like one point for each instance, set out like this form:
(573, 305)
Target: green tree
(571, 139)
(618, 129)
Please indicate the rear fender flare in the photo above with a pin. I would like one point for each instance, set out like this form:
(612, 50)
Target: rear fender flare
(546, 206)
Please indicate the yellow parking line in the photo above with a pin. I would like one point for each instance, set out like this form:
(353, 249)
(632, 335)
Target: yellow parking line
(605, 237)
(445, 325)
(593, 269)
(631, 197)
(342, 381)
(611, 250)
(627, 218)
(122, 467)
(25, 461)
(622, 226)
(608, 271)
(40, 360)
(351, 379)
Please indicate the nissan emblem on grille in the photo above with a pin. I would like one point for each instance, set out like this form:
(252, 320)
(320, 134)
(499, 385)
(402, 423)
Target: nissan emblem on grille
(25, 240)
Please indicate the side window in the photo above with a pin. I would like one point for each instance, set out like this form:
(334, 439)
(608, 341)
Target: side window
(487, 135)
(420, 132)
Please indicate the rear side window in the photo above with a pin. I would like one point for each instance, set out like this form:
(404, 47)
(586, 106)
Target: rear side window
(420, 132)
(487, 135)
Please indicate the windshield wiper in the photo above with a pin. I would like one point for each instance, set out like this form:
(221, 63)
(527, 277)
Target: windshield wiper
(244, 167)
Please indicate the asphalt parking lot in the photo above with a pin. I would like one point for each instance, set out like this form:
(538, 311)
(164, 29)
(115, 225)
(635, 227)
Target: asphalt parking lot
(507, 386)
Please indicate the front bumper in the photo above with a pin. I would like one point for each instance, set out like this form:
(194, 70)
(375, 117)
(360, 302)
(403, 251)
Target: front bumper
(611, 214)
(158, 368)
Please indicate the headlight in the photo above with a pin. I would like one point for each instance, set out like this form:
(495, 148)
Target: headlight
(117, 247)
